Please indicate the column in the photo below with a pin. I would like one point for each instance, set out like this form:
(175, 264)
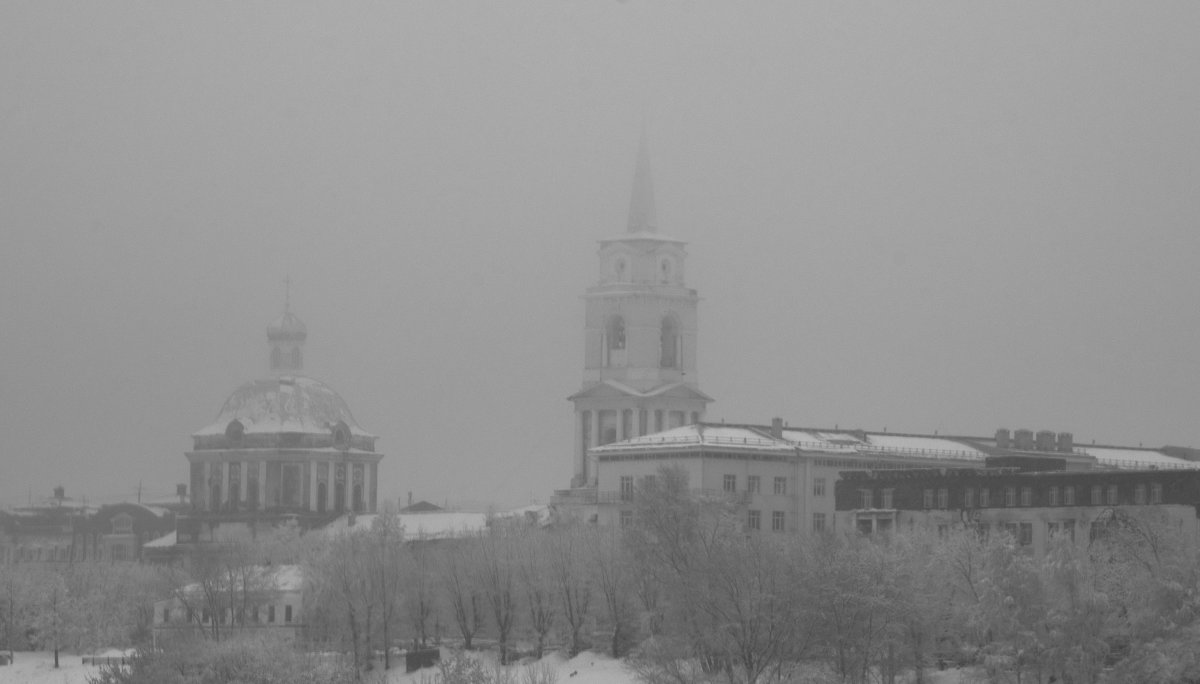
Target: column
(312, 486)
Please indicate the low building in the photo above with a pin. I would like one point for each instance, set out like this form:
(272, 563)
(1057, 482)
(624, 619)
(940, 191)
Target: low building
(784, 477)
(270, 601)
(1031, 505)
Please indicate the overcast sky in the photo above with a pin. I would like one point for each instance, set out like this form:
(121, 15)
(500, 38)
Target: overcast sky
(921, 216)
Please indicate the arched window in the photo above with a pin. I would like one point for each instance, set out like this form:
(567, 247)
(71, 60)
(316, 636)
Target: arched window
(122, 523)
(614, 342)
(669, 343)
(296, 359)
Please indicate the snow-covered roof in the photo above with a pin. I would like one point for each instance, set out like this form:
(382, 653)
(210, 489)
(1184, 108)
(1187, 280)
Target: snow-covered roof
(297, 404)
(1130, 458)
(700, 434)
(164, 542)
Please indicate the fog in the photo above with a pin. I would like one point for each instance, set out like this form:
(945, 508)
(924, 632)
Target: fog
(919, 216)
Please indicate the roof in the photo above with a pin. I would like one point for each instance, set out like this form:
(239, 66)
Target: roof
(860, 442)
(421, 507)
(291, 404)
(444, 525)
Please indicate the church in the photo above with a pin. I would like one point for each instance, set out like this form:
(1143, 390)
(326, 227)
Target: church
(282, 447)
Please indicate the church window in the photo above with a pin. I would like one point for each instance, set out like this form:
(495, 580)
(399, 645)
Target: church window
(276, 358)
(120, 552)
(616, 333)
(291, 484)
(341, 435)
(287, 613)
(626, 423)
(669, 343)
(235, 431)
(665, 269)
(214, 498)
(358, 498)
(643, 422)
(322, 496)
(296, 360)
(658, 421)
(608, 427)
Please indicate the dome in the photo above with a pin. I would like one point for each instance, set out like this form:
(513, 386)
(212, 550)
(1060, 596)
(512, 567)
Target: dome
(287, 327)
(284, 405)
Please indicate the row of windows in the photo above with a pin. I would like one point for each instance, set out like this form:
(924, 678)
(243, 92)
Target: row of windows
(255, 615)
(1012, 496)
(754, 485)
(778, 520)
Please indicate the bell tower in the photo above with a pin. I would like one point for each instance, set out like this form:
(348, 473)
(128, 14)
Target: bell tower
(639, 374)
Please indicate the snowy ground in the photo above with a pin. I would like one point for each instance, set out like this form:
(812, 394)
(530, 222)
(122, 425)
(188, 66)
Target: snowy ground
(586, 668)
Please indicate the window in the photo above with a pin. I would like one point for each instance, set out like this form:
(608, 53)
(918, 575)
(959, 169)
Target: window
(887, 498)
(120, 552)
(669, 344)
(1026, 496)
(1068, 494)
(781, 485)
(818, 486)
(1139, 494)
(754, 484)
(776, 521)
(271, 614)
(122, 524)
(1097, 493)
(754, 522)
(985, 499)
(927, 499)
(287, 613)
(865, 498)
(626, 518)
(643, 422)
(943, 500)
(615, 334)
(1025, 534)
(818, 522)
(968, 498)
(730, 484)
(943, 531)
(627, 424)
(1155, 493)
(166, 616)
(1068, 528)
(1112, 495)
(1052, 496)
(626, 488)
(658, 420)
(1010, 496)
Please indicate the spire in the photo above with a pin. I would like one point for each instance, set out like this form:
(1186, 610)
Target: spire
(641, 204)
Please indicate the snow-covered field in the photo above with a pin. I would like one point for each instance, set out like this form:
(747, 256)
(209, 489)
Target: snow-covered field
(38, 668)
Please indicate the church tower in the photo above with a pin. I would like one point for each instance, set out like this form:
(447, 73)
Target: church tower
(639, 374)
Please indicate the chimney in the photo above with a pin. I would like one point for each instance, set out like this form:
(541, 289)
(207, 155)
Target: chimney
(1066, 442)
(60, 493)
(1045, 440)
(1024, 440)
(1002, 438)
(777, 428)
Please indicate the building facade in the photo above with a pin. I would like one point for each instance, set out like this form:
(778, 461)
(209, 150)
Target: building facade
(640, 336)
(1034, 506)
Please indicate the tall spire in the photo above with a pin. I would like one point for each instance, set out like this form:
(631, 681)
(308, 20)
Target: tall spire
(641, 204)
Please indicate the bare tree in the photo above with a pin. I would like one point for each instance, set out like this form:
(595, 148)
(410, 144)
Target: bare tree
(571, 580)
(496, 570)
(533, 571)
(462, 592)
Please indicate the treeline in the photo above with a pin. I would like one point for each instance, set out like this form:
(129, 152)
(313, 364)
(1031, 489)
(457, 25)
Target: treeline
(686, 594)
(689, 596)
(77, 607)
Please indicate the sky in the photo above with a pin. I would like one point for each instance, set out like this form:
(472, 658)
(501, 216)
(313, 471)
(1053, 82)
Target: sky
(916, 216)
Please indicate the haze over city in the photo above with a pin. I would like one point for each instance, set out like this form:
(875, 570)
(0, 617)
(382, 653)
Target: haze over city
(924, 217)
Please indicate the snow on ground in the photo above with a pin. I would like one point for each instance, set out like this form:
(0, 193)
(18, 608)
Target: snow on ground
(38, 668)
(585, 668)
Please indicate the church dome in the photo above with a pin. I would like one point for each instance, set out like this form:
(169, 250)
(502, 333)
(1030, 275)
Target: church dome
(284, 411)
(287, 327)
